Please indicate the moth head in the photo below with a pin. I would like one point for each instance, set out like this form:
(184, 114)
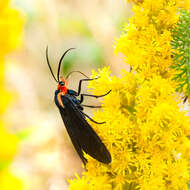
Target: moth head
(62, 85)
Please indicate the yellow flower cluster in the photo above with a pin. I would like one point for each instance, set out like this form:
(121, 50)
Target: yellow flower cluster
(146, 129)
(145, 132)
(10, 29)
(146, 38)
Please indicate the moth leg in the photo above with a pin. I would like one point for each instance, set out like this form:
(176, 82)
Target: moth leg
(92, 119)
(80, 107)
(185, 99)
(95, 96)
(89, 106)
(80, 83)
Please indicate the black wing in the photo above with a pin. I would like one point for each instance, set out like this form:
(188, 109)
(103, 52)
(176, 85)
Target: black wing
(82, 135)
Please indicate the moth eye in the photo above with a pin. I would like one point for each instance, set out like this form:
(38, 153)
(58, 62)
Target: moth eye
(62, 83)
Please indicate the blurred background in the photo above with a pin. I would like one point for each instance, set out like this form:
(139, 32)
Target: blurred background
(44, 157)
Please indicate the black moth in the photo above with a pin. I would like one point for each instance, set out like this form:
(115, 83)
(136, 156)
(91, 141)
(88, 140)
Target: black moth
(83, 137)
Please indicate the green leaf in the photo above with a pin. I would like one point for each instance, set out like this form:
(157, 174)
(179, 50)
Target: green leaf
(181, 52)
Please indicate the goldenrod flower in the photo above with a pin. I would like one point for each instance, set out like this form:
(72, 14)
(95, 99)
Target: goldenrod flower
(146, 39)
(11, 24)
(8, 145)
(9, 182)
(145, 132)
(146, 129)
(10, 29)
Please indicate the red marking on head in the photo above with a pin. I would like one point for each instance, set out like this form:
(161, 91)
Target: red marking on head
(62, 87)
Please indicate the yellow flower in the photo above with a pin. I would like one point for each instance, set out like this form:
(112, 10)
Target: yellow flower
(8, 145)
(99, 183)
(4, 4)
(11, 24)
(9, 182)
(149, 35)
(80, 184)
(10, 30)
(145, 133)
(5, 98)
(146, 130)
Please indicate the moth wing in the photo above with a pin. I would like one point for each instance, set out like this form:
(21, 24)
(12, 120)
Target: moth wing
(83, 137)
